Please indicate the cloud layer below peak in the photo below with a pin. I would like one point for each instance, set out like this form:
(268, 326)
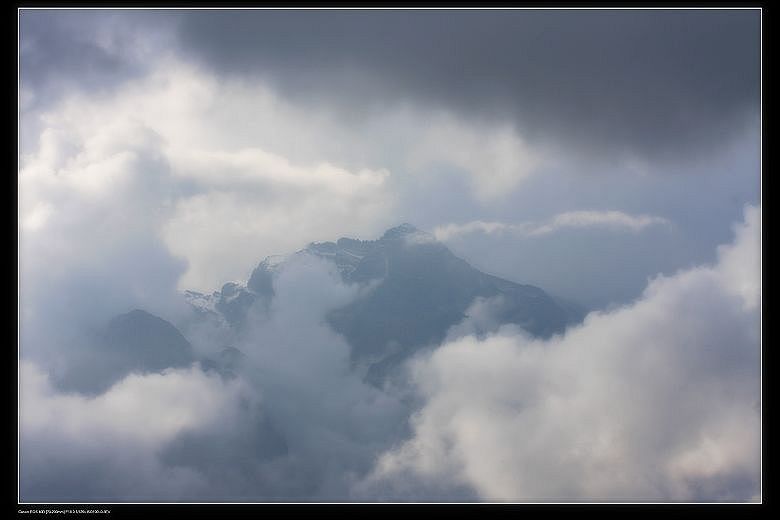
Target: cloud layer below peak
(655, 401)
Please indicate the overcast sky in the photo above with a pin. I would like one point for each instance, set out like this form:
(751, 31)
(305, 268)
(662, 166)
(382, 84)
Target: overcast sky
(433, 117)
(583, 151)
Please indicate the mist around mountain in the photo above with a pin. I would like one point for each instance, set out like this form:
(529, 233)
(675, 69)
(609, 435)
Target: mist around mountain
(392, 370)
(336, 321)
(416, 289)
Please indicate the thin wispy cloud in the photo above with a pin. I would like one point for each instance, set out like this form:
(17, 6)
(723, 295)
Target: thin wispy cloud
(612, 220)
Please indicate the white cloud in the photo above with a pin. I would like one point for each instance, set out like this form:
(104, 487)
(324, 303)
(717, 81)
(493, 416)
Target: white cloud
(296, 423)
(616, 220)
(654, 401)
(89, 210)
(255, 204)
(738, 265)
(241, 173)
(449, 231)
(497, 158)
(170, 157)
(107, 447)
(608, 219)
(145, 410)
(333, 421)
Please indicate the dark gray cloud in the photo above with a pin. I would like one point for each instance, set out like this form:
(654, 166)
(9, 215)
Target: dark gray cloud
(62, 51)
(658, 84)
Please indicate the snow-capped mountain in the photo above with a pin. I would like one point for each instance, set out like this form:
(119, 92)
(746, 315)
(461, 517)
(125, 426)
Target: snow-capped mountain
(419, 290)
(415, 291)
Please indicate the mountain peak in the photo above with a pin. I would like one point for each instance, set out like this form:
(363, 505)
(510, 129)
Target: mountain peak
(400, 231)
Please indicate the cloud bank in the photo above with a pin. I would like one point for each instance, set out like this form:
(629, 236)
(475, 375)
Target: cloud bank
(75, 448)
(597, 83)
(656, 401)
(591, 82)
(292, 422)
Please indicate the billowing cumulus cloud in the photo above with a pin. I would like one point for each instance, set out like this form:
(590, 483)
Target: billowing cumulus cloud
(293, 422)
(113, 440)
(333, 422)
(658, 400)
(220, 154)
(157, 134)
(89, 210)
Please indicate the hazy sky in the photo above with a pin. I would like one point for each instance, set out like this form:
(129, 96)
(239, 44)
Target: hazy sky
(582, 151)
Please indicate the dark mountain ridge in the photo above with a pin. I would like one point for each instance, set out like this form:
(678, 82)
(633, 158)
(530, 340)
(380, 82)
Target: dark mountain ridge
(422, 289)
(419, 290)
